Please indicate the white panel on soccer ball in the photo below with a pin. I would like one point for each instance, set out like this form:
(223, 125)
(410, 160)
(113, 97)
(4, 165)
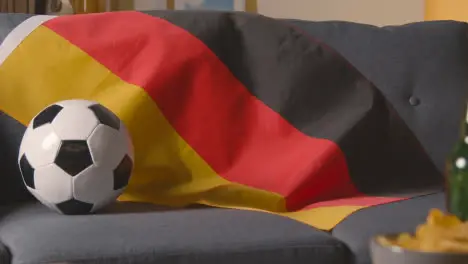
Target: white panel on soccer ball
(40, 145)
(93, 185)
(128, 140)
(75, 123)
(107, 146)
(76, 102)
(53, 184)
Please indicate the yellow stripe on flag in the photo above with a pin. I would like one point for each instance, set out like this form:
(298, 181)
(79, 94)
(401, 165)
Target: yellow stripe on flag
(324, 218)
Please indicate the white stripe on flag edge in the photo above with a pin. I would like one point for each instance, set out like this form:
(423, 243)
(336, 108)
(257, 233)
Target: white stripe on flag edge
(19, 33)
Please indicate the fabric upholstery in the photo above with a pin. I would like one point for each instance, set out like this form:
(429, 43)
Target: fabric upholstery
(357, 230)
(132, 233)
(420, 68)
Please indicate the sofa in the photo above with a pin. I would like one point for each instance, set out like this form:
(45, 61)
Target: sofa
(420, 68)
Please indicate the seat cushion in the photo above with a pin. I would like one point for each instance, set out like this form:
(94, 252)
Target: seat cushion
(357, 230)
(141, 233)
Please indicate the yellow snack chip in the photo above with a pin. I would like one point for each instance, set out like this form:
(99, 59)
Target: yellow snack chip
(441, 233)
(435, 215)
(437, 218)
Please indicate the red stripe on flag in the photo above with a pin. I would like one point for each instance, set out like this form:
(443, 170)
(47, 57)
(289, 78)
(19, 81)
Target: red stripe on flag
(241, 138)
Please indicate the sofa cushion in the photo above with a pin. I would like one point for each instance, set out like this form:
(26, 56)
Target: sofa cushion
(404, 216)
(141, 233)
(420, 68)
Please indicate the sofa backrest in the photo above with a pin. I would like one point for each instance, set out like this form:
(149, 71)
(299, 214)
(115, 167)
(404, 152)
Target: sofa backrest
(421, 69)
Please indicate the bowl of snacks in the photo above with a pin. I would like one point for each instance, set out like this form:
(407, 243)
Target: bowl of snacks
(442, 239)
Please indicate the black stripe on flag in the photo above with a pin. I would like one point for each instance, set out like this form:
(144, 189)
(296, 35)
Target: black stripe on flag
(318, 92)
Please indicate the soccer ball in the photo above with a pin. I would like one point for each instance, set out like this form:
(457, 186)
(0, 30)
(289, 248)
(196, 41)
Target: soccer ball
(76, 157)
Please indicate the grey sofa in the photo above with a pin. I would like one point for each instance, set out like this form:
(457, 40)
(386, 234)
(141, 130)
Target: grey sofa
(421, 68)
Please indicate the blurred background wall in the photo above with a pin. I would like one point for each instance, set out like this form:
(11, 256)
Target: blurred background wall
(376, 12)
(446, 10)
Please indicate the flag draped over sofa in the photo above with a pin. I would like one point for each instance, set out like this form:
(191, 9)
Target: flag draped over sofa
(228, 110)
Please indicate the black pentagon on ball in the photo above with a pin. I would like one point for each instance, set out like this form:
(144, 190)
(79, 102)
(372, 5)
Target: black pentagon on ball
(47, 115)
(74, 207)
(27, 171)
(73, 156)
(122, 173)
(105, 116)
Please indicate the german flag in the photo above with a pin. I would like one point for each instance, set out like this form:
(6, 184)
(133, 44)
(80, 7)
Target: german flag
(225, 109)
